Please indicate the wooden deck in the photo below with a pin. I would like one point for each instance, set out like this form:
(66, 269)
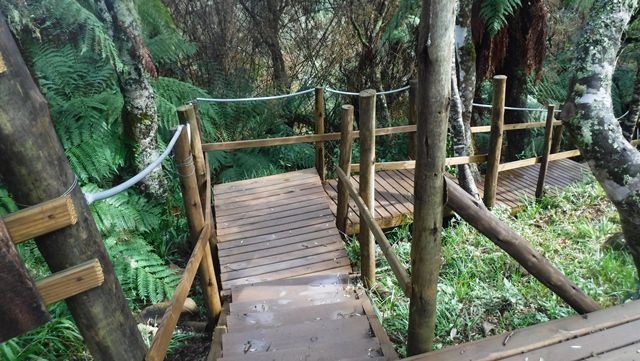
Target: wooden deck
(394, 190)
(611, 334)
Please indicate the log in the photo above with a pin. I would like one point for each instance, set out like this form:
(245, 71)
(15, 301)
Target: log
(187, 116)
(518, 248)
(319, 123)
(398, 269)
(435, 51)
(41, 219)
(367, 182)
(346, 144)
(21, 307)
(546, 150)
(196, 219)
(495, 140)
(34, 170)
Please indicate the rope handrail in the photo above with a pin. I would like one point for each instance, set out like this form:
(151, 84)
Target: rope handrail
(384, 92)
(93, 197)
(489, 106)
(250, 99)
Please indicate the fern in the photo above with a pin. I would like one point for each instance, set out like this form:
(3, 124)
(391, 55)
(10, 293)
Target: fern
(495, 12)
(7, 205)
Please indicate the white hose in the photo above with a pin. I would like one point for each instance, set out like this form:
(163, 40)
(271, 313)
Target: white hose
(93, 197)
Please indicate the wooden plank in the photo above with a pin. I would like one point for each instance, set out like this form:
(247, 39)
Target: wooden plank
(291, 198)
(564, 155)
(518, 164)
(295, 182)
(232, 274)
(268, 142)
(273, 207)
(229, 233)
(515, 126)
(393, 191)
(628, 353)
(317, 225)
(339, 265)
(311, 285)
(411, 164)
(331, 240)
(250, 233)
(41, 219)
(535, 337)
(302, 240)
(271, 214)
(385, 343)
(216, 341)
(160, 342)
(239, 186)
(21, 308)
(587, 345)
(70, 282)
(267, 191)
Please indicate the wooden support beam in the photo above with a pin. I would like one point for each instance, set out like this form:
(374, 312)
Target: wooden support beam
(518, 248)
(399, 270)
(70, 282)
(21, 307)
(160, 344)
(41, 219)
(298, 139)
(319, 122)
(196, 218)
(514, 126)
(367, 182)
(187, 116)
(346, 143)
(411, 164)
(495, 140)
(412, 116)
(546, 151)
(635, 142)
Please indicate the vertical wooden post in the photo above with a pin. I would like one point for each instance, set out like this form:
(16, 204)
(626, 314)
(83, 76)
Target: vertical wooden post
(193, 208)
(413, 115)
(367, 182)
(319, 121)
(35, 169)
(548, 133)
(346, 142)
(557, 139)
(187, 115)
(495, 140)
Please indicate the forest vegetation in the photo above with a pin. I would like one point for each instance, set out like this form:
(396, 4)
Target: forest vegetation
(113, 73)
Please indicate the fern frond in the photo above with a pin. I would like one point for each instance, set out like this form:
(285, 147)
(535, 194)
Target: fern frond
(495, 12)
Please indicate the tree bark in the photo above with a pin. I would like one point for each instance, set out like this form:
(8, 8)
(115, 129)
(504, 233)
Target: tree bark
(435, 45)
(461, 137)
(140, 115)
(634, 108)
(35, 169)
(590, 120)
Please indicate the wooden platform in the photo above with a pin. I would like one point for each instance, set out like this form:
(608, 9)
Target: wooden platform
(610, 334)
(394, 190)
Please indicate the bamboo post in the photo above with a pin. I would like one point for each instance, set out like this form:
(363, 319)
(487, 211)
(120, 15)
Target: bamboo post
(557, 139)
(319, 121)
(548, 134)
(193, 208)
(367, 182)
(413, 115)
(495, 140)
(346, 143)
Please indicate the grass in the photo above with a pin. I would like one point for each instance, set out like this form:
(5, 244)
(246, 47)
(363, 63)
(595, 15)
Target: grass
(482, 291)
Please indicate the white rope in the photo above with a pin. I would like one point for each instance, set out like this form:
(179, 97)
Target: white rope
(489, 106)
(342, 92)
(236, 100)
(623, 115)
(93, 197)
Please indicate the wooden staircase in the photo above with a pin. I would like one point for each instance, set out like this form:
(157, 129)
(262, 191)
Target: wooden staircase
(314, 318)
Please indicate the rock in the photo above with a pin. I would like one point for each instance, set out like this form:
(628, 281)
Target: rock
(487, 327)
(615, 243)
(152, 314)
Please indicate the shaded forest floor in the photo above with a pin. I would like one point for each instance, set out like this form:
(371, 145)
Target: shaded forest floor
(483, 292)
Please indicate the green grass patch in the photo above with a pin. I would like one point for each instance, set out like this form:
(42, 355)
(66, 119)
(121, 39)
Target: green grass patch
(483, 291)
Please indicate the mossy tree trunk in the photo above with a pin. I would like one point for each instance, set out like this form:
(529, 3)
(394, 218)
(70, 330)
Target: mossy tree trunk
(35, 169)
(140, 113)
(590, 119)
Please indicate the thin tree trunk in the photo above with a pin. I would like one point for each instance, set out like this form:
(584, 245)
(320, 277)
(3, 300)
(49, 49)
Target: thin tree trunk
(35, 169)
(140, 114)
(434, 53)
(634, 108)
(590, 120)
(461, 138)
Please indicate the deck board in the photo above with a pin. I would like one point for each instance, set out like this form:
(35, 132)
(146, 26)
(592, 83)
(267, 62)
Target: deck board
(394, 190)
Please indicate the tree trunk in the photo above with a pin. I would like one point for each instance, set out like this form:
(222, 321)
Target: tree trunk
(35, 169)
(634, 108)
(590, 119)
(140, 115)
(461, 138)
(434, 53)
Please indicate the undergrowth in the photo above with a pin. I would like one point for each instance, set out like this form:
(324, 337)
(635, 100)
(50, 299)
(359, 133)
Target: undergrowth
(483, 291)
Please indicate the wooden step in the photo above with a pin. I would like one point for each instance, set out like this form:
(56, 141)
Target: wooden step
(266, 320)
(368, 349)
(303, 285)
(295, 336)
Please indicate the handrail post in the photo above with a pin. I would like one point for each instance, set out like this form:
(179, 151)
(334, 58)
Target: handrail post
(367, 179)
(548, 134)
(193, 208)
(413, 116)
(346, 143)
(319, 124)
(495, 140)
